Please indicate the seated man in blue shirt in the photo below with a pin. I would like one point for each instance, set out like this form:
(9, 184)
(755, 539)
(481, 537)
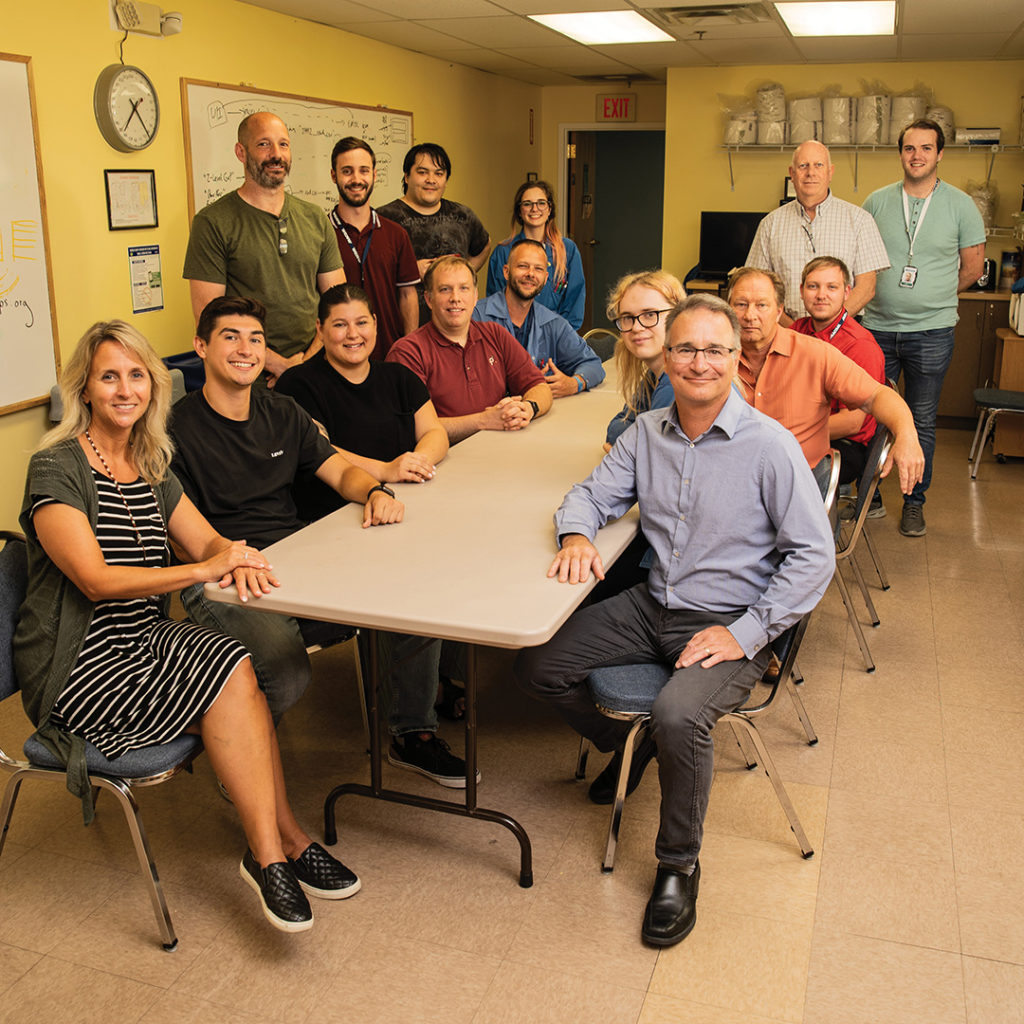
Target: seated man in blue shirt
(570, 365)
(742, 550)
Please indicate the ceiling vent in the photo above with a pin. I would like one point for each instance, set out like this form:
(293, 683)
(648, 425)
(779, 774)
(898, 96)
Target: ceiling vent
(706, 15)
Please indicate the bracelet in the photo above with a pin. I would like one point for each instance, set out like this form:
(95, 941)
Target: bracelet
(581, 383)
(379, 487)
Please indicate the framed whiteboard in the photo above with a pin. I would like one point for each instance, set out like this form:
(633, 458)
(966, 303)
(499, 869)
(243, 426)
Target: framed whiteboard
(29, 351)
(211, 112)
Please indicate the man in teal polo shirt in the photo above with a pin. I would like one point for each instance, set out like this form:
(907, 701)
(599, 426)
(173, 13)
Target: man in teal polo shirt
(935, 239)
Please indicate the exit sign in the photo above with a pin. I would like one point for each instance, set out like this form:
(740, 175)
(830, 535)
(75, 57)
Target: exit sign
(616, 106)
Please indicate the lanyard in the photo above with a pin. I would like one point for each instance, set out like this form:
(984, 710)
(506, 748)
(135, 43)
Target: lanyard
(920, 219)
(355, 251)
(842, 320)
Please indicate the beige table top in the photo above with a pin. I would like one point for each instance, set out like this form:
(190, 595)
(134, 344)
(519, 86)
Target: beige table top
(469, 561)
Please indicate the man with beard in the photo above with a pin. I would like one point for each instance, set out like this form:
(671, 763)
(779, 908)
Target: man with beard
(568, 363)
(376, 252)
(262, 243)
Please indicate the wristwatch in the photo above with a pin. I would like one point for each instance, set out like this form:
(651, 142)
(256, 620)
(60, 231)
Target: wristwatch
(535, 407)
(379, 487)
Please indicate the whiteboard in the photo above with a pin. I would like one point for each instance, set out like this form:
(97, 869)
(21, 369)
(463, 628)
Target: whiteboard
(211, 113)
(28, 341)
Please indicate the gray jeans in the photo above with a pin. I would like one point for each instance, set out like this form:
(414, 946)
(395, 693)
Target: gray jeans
(632, 628)
(408, 664)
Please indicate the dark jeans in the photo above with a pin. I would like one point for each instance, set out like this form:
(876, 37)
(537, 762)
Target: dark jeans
(924, 357)
(853, 457)
(633, 628)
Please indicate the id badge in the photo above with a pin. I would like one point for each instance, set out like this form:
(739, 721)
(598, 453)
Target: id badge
(908, 277)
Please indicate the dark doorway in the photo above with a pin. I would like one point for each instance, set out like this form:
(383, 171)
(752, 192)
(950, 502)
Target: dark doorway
(616, 205)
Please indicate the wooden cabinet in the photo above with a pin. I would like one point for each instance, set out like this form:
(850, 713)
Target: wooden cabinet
(1009, 437)
(973, 365)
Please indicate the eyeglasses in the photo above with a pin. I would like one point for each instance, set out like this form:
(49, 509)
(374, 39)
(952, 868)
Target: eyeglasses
(540, 204)
(714, 354)
(282, 236)
(648, 318)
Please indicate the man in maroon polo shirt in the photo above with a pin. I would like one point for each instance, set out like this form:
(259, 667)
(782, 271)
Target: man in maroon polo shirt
(479, 377)
(376, 252)
(824, 287)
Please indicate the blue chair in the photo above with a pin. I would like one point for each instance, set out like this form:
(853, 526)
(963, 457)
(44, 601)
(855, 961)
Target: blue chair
(147, 766)
(627, 693)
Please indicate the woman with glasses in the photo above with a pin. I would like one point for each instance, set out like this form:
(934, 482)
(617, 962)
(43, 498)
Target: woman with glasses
(638, 305)
(533, 213)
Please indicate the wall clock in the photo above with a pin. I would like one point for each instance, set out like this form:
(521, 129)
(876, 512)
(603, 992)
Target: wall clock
(126, 107)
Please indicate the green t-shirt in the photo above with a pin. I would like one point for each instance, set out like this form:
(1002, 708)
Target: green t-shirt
(951, 223)
(238, 246)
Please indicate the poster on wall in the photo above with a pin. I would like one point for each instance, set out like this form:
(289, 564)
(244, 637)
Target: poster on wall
(28, 337)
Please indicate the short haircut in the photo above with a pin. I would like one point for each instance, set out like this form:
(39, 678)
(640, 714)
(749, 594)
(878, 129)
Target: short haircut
(246, 122)
(820, 262)
(349, 143)
(738, 275)
(527, 241)
(923, 124)
(446, 263)
(431, 149)
(703, 302)
(338, 294)
(229, 305)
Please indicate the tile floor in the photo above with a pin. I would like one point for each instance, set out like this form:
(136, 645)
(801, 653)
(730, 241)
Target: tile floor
(909, 913)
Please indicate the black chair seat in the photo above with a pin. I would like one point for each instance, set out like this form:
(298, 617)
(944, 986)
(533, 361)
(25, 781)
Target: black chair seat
(998, 398)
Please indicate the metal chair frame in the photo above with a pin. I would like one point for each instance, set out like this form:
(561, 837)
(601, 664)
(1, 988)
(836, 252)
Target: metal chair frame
(994, 402)
(180, 755)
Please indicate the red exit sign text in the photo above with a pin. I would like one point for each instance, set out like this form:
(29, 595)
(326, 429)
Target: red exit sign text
(619, 106)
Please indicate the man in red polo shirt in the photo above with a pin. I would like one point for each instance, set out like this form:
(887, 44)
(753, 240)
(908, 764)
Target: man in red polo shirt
(479, 377)
(794, 378)
(377, 252)
(824, 287)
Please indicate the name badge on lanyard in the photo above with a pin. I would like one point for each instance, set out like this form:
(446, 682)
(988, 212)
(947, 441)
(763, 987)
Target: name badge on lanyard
(908, 275)
(360, 257)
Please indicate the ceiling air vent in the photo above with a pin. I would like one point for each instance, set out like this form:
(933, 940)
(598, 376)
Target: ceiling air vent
(706, 15)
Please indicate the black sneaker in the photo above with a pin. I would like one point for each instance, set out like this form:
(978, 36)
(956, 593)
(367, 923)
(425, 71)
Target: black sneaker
(324, 876)
(602, 789)
(877, 509)
(284, 903)
(431, 757)
(912, 521)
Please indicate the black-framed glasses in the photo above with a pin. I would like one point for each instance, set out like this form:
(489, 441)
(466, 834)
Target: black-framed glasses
(714, 354)
(282, 236)
(539, 204)
(648, 318)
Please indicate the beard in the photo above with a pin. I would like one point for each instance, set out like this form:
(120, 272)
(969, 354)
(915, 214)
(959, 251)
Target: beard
(525, 293)
(261, 173)
(349, 200)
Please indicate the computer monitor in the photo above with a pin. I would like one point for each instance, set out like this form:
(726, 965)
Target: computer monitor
(725, 238)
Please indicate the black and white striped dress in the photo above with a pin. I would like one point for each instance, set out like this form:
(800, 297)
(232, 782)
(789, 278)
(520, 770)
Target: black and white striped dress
(141, 678)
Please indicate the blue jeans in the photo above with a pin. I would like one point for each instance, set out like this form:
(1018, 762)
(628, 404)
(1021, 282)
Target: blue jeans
(631, 628)
(924, 357)
(277, 643)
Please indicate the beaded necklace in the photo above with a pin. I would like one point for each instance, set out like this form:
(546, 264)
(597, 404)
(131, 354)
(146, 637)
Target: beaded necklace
(124, 500)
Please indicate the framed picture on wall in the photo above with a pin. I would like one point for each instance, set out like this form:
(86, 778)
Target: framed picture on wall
(131, 199)
(788, 189)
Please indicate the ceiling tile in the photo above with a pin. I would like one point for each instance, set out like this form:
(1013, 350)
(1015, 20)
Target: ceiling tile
(491, 60)
(657, 54)
(411, 10)
(339, 13)
(953, 47)
(952, 16)
(507, 30)
(1015, 47)
(549, 56)
(560, 6)
(751, 51)
(413, 37)
(847, 49)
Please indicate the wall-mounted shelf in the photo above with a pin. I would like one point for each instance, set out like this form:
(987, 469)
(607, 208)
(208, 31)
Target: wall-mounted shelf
(989, 148)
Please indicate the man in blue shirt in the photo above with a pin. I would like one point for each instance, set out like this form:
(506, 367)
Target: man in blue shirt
(742, 550)
(570, 365)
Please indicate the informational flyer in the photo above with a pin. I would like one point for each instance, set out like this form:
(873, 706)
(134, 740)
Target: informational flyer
(146, 279)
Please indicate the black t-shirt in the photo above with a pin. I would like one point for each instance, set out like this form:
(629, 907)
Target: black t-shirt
(240, 474)
(375, 419)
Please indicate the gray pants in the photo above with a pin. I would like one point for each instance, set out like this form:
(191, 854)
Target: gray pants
(632, 628)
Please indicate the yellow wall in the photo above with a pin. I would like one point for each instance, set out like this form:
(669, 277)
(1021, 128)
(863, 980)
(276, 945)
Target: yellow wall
(481, 119)
(697, 172)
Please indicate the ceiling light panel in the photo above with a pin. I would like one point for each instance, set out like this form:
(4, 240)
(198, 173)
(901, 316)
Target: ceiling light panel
(604, 28)
(847, 18)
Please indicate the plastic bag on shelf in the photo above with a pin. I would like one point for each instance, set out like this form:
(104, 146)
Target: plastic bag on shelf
(837, 120)
(905, 110)
(771, 102)
(986, 199)
(740, 121)
(805, 120)
(943, 117)
(872, 120)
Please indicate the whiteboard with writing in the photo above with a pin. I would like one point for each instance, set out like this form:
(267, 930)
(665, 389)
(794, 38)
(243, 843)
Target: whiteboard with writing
(211, 113)
(28, 341)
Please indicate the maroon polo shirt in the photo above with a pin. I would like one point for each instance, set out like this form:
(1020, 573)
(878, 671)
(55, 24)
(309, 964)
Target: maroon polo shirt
(385, 263)
(856, 343)
(463, 381)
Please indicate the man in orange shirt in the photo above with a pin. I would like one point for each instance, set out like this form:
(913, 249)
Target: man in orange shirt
(794, 378)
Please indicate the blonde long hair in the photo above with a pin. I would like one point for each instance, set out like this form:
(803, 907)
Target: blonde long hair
(151, 446)
(634, 380)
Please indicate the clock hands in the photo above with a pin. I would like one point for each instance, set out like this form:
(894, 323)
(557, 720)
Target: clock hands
(135, 113)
